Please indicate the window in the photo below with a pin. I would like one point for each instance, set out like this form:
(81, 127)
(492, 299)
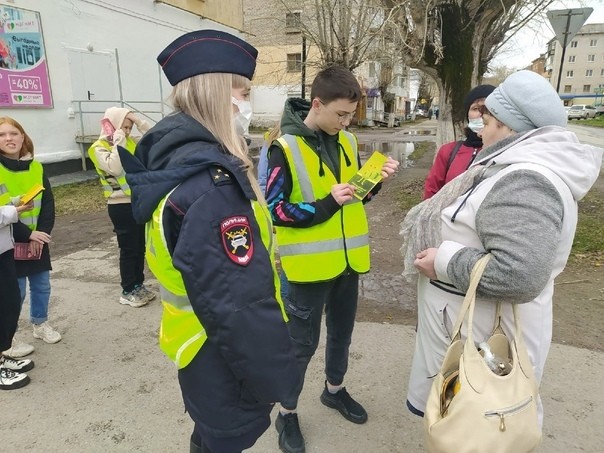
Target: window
(292, 22)
(586, 88)
(568, 88)
(591, 58)
(294, 62)
(571, 59)
(601, 72)
(570, 74)
(589, 73)
(573, 43)
(593, 43)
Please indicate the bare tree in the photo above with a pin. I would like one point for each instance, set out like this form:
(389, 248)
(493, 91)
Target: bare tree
(497, 74)
(345, 32)
(453, 41)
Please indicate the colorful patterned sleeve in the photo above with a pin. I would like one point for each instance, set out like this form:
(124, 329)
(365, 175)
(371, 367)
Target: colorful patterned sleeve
(278, 190)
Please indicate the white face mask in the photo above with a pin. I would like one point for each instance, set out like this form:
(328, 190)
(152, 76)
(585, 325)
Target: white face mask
(476, 125)
(243, 117)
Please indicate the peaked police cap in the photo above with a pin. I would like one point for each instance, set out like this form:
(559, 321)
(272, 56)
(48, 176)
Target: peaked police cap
(205, 51)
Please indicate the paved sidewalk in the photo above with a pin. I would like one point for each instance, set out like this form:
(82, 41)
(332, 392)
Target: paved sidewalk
(71, 178)
(106, 387)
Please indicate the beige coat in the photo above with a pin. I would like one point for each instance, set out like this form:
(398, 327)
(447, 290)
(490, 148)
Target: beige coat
(109, 159)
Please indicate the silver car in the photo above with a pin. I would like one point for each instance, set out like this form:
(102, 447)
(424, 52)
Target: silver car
(581, 111)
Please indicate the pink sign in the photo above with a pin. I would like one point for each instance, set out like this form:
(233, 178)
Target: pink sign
(24, 80)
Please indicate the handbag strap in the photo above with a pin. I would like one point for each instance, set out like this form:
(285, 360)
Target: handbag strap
(470, 297)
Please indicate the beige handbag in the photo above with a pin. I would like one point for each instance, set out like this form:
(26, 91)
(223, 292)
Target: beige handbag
(470, 408)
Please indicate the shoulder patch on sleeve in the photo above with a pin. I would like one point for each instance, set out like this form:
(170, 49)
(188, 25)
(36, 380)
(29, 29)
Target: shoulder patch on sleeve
(220, 176)
(237, 239)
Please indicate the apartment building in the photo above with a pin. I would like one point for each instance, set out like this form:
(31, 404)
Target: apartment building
(582, 77)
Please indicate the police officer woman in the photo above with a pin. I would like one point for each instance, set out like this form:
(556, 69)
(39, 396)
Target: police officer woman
(209, 243)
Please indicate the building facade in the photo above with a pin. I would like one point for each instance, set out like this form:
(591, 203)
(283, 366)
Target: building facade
(287, 63)
(582, 75)
(89, 55)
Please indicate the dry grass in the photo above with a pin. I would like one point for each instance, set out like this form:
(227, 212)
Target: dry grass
(79, 198)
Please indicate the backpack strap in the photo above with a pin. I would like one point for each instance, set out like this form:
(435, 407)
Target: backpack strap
(453, 154)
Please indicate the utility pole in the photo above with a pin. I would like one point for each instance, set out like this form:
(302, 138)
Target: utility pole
(303, 90)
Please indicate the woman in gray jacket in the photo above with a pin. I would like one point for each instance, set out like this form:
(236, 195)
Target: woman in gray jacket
(518, 202)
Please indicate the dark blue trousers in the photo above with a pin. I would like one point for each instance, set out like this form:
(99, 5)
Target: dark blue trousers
(305, 303)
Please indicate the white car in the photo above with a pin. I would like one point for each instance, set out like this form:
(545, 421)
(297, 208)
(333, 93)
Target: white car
(581, 111)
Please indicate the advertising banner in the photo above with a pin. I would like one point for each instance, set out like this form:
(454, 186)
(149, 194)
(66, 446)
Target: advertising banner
(24, 80)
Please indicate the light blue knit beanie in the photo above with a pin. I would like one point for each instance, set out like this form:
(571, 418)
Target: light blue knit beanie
(524, 101)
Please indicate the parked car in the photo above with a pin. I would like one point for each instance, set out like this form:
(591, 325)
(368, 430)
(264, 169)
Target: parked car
(421, 112)
(581, 111)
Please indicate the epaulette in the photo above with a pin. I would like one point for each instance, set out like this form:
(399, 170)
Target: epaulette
(220, 176)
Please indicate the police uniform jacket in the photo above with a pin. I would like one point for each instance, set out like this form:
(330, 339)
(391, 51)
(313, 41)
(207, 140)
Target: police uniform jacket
(247, 362)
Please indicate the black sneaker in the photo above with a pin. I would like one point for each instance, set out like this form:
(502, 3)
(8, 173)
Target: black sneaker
(290, 436)
(343, 402)
(10, 380)
(18, 365)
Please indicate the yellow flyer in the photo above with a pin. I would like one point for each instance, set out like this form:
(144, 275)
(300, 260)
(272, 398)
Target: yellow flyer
(31, 194)
(369, 175)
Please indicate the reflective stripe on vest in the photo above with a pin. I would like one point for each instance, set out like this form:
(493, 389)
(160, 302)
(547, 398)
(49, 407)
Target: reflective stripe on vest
(322, 252)
(108, 189)
(16, 183)
(4, 195)
(181, 334)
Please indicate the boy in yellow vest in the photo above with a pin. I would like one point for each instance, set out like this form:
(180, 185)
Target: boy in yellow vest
(322, 233)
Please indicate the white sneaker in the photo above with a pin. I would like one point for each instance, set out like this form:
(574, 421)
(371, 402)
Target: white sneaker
(10, 380)
(133, 298)
(45, 332)
(18, 350)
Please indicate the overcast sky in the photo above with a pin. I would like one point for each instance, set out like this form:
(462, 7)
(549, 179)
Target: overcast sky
(530, 42)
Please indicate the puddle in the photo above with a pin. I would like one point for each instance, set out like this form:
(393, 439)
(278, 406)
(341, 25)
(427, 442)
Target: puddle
(397, 150)
(387, 289)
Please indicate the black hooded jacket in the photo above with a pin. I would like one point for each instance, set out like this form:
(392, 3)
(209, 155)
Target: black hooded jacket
(46, 222)
(235, 302)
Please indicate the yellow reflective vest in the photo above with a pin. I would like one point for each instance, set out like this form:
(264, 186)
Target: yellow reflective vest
(16, 183)
(322, 252)
(181, 333)
(108, 188)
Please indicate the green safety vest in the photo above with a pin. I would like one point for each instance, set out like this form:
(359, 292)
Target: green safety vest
(16, 183)
(322, 252)
(108, 188)
(181, 334)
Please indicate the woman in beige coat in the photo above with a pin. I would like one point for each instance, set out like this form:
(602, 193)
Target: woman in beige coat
(117, 125)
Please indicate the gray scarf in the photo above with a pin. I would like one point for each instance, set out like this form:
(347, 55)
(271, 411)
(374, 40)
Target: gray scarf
(421, 228)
